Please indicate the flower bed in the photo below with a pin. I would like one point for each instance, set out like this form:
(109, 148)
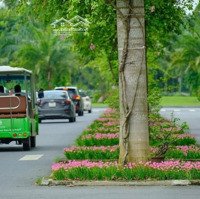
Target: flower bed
(92, 153)
(184, 139)
(98, 139)
(114, 129)
(184, 153)
(175, 140)
(111, 113)
(103, 125)
(87, 170)
(95, 157)
(110, 139)
(112, 153)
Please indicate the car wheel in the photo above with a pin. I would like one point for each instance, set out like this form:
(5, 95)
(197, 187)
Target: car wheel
(33, 141)
(80, 113)
(27, 144)
(39, 120)
(90, 111)
(72, 119)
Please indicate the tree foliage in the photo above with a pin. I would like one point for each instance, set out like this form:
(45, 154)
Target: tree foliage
(182, 55)
(20, 17)
(162, 17)
(31, 45)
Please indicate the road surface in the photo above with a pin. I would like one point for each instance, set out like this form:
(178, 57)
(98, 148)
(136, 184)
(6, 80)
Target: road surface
(20, 170)
(189, 115)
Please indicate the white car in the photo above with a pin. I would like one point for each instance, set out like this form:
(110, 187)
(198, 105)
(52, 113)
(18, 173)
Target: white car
(87, 104)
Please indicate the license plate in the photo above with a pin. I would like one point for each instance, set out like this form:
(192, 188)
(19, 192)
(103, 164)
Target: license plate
(52, 104)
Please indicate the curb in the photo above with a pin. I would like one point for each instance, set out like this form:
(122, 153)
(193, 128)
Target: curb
(50, 182)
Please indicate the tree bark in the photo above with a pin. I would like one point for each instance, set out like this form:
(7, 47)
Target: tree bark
(134, 131)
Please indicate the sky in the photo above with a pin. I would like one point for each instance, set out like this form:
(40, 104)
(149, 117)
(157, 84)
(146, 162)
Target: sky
(1, 4)
(195, 3)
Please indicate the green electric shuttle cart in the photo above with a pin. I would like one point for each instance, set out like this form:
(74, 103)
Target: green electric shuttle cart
(18, 110)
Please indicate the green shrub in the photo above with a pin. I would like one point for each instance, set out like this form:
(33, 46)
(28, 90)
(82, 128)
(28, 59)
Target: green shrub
(97, 142)
(113, 99)
(154, 99)
(184, 141)
(178, 154)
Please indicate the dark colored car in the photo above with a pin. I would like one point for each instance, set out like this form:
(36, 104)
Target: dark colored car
(54, 104)
(75, 96)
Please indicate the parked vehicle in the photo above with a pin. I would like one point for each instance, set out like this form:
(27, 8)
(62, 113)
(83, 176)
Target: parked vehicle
(18, 110)
(75, 96)
(87, 102)
(55, 104)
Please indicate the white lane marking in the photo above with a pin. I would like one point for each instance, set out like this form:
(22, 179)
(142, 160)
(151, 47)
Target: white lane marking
(31, 157)
(163, 110)
(192, 110)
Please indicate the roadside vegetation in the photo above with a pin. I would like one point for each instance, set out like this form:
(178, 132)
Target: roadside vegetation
(89, 60)
(173, 153)
(99, 105)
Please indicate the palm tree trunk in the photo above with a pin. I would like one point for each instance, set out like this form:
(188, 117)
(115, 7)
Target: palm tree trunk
(134, 132)
(49, 78)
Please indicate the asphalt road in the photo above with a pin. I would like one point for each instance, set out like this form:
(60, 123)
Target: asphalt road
(19, 170)
(189, 115)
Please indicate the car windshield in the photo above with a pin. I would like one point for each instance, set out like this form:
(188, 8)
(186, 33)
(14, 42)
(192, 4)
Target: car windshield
(55, 95)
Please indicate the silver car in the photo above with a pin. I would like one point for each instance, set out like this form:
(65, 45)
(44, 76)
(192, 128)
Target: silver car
(75, 96)
(55, 104)
(87, 102)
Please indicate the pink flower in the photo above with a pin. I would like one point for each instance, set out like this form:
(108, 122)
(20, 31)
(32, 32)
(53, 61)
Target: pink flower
(114, 123)
(165, 165)
(100, 136)
(92, 148)
(102, 119)
(169, 165)
(82, 163)
(185, 135)
(186, 149)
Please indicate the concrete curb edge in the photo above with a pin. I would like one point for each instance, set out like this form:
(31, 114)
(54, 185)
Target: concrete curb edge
(50, 182)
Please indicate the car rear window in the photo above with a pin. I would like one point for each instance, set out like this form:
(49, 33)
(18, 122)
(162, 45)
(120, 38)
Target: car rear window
(72, 92)
(55, 95)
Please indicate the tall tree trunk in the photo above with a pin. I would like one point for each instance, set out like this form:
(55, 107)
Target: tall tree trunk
(49, 78)
(134, 131)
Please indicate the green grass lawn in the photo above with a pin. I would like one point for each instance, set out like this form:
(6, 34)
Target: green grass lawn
(179, 101)
(99, 105)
